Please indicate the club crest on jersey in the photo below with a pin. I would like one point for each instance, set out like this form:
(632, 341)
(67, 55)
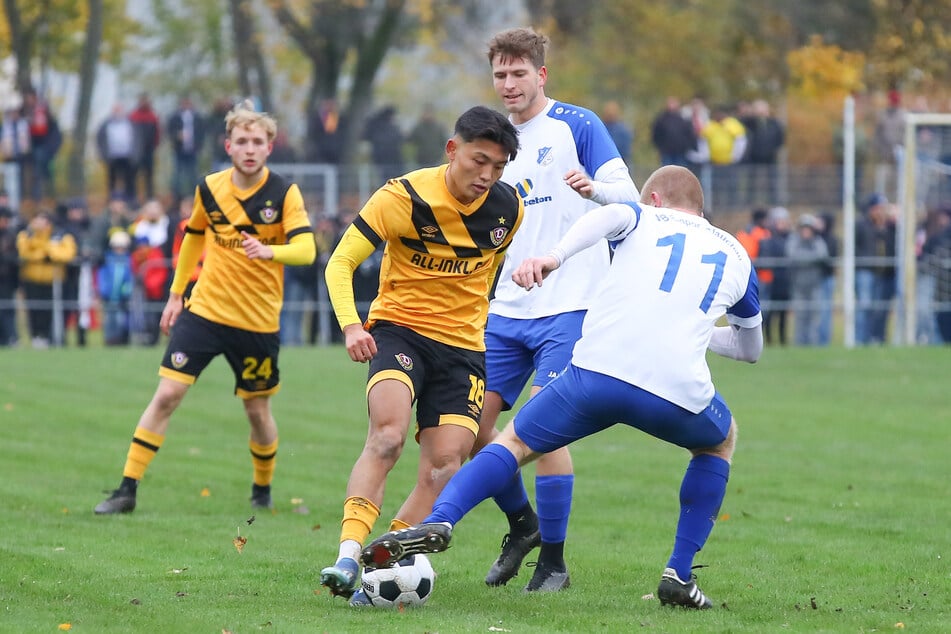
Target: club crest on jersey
(268, 214)
(545, 156)
(524, 187)
(179, 359)
(498, 235)
(405, 361)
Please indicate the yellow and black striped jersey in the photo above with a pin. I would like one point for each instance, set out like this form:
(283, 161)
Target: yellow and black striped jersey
(441, 255)
(233, 290)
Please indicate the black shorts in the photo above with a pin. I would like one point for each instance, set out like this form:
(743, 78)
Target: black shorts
(195, 341)
(447, 383)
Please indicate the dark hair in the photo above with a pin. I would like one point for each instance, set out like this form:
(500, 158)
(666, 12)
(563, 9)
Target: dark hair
(480, 122)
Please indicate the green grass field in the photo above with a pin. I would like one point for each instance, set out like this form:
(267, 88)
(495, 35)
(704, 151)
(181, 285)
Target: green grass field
(836, 518)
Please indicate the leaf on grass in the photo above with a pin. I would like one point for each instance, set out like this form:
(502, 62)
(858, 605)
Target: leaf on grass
(206, 492)
(648, 597)
(315, 527)
(250, 520)
(900, 625)
(224, 631)
(8, 407)
(492, 628)
(301, 510)
(135, 602)
(65, 511)
(181, 594)
(178, 571)
(59, 549)
(724, 517)
(239, 542)
(65, 626)
(296, 501)
(812, 602)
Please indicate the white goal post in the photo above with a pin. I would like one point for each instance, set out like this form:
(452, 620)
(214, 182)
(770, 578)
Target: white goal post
(925, 175)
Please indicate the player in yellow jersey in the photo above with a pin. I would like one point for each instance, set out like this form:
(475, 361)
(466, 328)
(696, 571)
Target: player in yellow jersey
(446, 230)
(249, 222)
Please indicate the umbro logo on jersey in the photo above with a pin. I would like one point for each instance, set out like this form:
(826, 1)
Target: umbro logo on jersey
(545, 156)
(429, 232)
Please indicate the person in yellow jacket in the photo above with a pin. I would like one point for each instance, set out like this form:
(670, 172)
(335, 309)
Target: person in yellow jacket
(44, 252)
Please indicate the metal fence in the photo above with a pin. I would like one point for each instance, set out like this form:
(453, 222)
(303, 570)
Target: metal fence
(330, 190)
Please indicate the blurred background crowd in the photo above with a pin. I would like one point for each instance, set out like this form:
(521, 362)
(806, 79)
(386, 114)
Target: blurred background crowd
(101, 152)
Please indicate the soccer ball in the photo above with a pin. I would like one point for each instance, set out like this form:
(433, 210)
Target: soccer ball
(409, 582)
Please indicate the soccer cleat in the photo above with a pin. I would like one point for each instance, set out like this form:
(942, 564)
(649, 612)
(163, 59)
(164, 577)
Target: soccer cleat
(674, 591)
(514, 549)
(341, 578)
(261, 497)
(360, 600)
(121, 501)
(389, 548)
(547, 579)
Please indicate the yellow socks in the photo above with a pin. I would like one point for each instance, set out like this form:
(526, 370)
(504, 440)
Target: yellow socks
(145, 444)
(263, 459)
(359, 515)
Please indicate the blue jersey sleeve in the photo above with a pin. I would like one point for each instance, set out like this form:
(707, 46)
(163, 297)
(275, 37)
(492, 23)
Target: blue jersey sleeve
(593, 143)
(748, 306)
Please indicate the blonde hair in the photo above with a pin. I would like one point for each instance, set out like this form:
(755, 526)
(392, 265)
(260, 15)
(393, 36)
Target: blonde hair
(677, 186)
(244, 115)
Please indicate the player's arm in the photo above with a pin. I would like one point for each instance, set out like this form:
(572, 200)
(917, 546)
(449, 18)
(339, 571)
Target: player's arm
(352, 250)
(300, 251)
(612, 221)
(613, 184)
(736, 342)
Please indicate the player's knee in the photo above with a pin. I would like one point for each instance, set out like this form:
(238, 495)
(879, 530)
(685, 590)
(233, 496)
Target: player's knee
(385, 443)
(441, 468)
(168, 397)
(724, 449)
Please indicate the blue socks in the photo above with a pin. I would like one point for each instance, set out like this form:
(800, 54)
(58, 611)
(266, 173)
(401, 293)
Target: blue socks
(553, 497)
(513, 497)
(486, 475)
(701, 494)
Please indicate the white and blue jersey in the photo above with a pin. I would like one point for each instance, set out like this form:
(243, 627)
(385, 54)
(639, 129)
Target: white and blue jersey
(562, 137)
(673, 276)
(534, 332)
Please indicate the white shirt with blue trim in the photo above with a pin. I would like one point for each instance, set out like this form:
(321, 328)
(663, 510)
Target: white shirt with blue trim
(560, 138)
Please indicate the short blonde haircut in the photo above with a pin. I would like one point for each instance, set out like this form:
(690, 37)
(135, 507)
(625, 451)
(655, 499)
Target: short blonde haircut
(243, 115)
(677, 186)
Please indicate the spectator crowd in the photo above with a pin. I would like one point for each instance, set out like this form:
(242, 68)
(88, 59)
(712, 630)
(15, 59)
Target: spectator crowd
(78, 265)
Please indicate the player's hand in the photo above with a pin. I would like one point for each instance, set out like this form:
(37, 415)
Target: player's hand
(579, 181)
(360, 344)
(254, 249)
(173, 308)
(532, 271)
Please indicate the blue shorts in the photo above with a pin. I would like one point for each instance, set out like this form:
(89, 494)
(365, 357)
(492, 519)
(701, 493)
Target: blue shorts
(579, 403)
(515, 348)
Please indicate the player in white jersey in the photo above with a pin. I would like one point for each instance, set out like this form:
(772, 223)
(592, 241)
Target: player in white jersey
(672, 278)
(568, 165)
